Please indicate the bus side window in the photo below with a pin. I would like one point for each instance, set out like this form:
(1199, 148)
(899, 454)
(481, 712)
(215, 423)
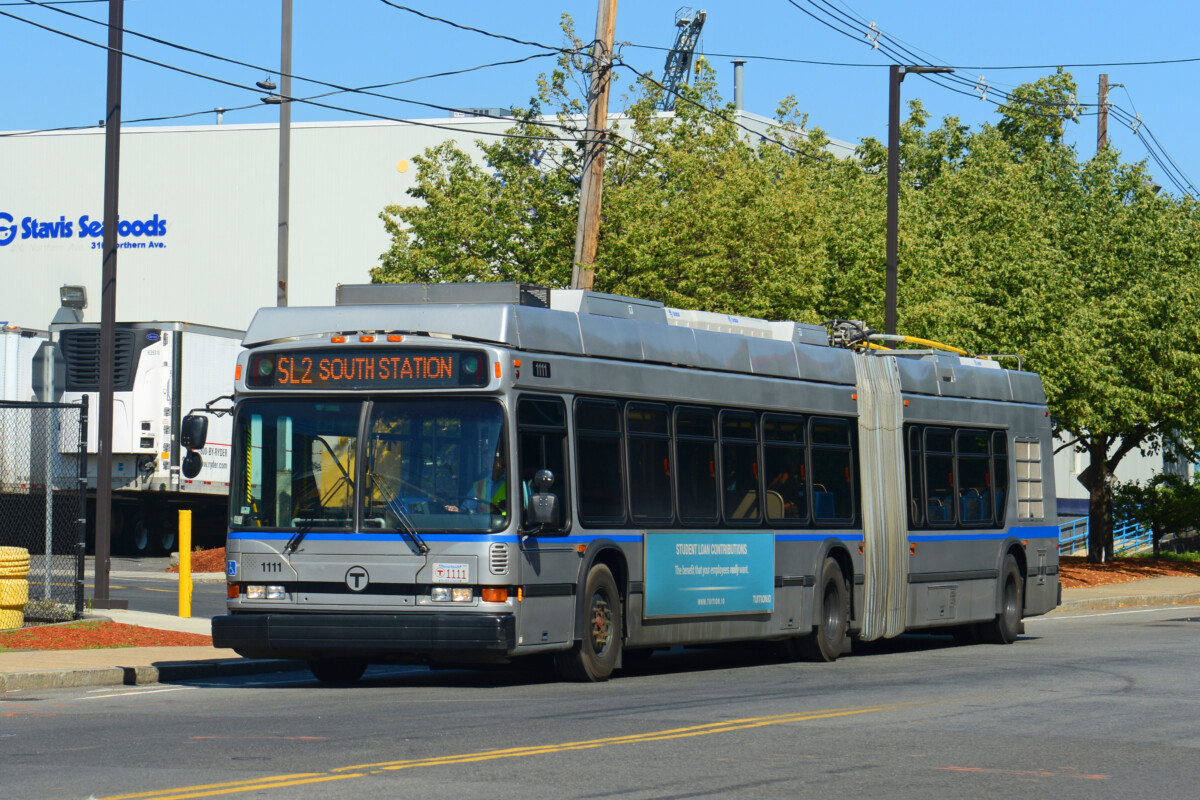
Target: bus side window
(739, 467)
(542, 443)
(784, 459)
(941, 500)
(696, 471)
(832, 458)
(648, 448)
(599, 477)
(999, 474)
(916, 508)
(974, 477)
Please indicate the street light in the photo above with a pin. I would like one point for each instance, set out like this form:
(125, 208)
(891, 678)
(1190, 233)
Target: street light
(896, 75)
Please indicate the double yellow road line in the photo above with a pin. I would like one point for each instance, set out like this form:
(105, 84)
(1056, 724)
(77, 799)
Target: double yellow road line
(365, 770)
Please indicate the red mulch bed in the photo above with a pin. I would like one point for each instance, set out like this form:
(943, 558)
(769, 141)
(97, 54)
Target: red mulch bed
(1074, 572)
(206, 561)
(91, 634)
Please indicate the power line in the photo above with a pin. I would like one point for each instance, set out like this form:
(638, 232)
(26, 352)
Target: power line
(463, 27)
(1180, 182)
(310, 101)
(574, 139)
(339, 89)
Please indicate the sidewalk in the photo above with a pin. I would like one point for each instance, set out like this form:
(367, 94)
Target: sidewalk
(34, 670)
(38, 670)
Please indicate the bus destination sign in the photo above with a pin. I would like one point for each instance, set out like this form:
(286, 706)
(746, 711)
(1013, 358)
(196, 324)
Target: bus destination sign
(367, 368)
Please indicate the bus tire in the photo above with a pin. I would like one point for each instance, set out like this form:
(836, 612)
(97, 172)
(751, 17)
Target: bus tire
(1005, 627)
(337, 670)
(828, 639)
(598, 651)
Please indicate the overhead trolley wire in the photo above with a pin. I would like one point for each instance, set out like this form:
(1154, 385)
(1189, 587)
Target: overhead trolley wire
(940, 79)
(308, 101)
(338, 88)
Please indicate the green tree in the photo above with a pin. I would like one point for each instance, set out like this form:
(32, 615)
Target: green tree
(1167, 503)
(1081, 267)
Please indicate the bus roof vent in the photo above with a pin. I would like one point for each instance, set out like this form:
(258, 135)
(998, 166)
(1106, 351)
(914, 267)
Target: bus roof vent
(410, 294)
(607, 305)
(795, 332)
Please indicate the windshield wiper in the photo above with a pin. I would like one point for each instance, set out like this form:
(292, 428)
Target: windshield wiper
(396, 506)
(296, 539)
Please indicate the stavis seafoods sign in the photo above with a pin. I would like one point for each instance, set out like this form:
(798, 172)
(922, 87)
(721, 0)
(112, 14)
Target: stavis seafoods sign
(143, 234)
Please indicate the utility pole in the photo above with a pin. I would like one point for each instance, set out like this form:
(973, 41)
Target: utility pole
(895, 76)
(1102, 114)
(285, 151)
(588, 230)
(108, 309)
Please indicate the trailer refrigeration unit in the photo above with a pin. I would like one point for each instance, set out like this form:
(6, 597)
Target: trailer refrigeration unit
(162, 370)
(21, 378)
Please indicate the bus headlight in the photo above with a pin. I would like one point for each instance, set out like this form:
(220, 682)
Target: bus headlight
(265, 592)
(447, 594)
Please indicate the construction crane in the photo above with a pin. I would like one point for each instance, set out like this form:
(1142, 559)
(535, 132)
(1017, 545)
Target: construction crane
(679, 60)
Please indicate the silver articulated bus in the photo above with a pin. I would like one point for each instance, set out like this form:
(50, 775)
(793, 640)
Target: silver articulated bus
(457, 474)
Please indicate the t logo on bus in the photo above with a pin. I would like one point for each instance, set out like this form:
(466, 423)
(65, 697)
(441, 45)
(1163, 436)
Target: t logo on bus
(357, 579)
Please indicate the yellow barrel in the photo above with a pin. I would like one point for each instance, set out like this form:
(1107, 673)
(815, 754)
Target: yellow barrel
(14, 586)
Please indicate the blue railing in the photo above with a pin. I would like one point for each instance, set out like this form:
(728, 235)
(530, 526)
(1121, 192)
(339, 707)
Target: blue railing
(1127, 535)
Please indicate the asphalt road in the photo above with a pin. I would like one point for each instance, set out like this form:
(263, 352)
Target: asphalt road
(1093, 705)
(147, 586)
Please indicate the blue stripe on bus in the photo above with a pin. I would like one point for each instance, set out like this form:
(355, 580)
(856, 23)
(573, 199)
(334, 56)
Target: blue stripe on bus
(1033, 532)
(817, 537)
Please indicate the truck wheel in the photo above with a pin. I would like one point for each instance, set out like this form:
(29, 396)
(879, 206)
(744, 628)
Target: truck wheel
(166, 539)
(833, 625)
(595, 655)
(137, 534)
(337, 670)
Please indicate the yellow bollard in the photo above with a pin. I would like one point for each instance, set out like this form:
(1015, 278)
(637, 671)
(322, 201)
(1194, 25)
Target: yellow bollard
(185, 564)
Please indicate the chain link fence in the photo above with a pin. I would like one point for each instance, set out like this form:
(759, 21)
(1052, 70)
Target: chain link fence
(43, 506)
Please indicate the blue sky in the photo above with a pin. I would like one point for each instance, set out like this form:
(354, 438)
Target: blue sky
(52, 81)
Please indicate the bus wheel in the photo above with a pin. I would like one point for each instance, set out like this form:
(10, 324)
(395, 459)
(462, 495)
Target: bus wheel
(595, 655)
(337, 670)
(1006, 626)
(833, 625)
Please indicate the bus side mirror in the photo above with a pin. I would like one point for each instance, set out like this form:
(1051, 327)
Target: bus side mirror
(543, 506)
(191, 465)
(193, 433)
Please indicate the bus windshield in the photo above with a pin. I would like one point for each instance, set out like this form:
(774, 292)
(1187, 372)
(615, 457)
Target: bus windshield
(294, 465)
(436, 465)
(428, 465)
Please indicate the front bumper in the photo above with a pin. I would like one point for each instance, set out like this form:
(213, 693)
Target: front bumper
(291, 635)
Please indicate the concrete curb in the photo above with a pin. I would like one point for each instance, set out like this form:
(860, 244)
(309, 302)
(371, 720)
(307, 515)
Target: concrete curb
(167, 672)
(1129, 601)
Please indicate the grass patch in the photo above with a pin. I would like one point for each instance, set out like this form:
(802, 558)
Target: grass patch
(1181, 558)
